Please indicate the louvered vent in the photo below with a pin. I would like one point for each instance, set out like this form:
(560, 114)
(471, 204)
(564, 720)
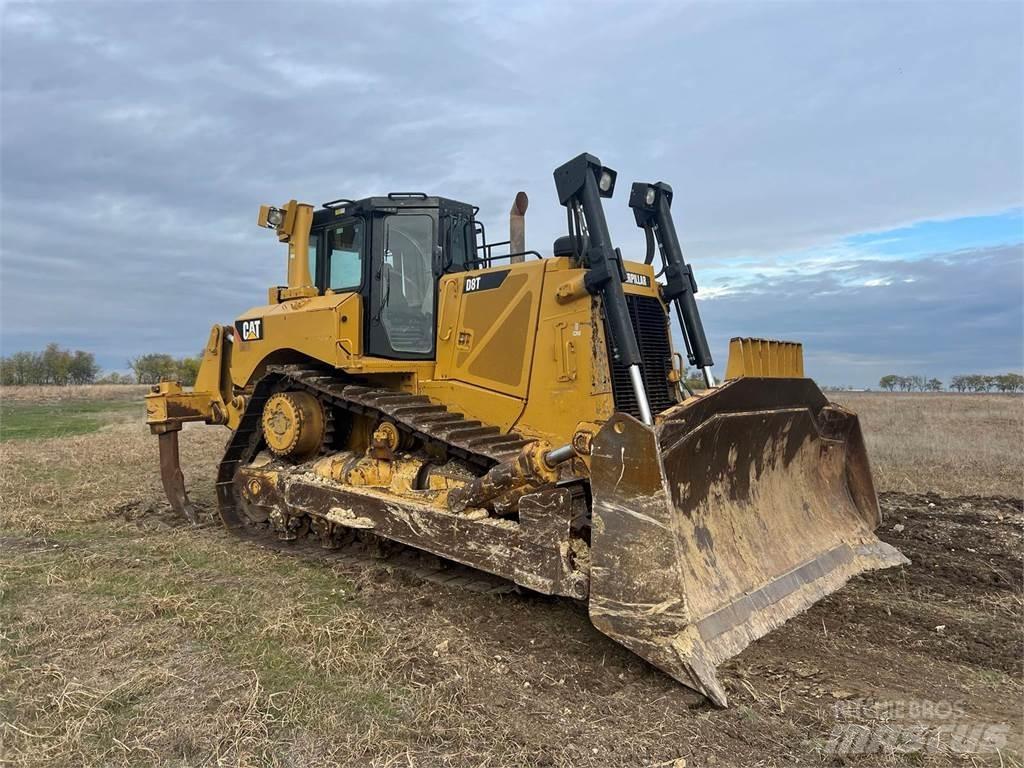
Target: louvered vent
(651, 326)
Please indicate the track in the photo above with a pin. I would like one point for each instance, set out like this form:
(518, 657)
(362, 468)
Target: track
(439, 429)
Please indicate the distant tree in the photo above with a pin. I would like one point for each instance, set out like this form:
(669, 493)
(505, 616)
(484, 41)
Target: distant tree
(188, 369)
(56, 364)
(115, 378)
(934, 385)
(977, 383)
(82, 368)
(888, 382)
(26, 368)
(1009, 382)
(53, 365)
(904, 383)
(917, 382)
(151, 368)
(693, 379)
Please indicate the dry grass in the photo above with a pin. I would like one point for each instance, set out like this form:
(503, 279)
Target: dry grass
(129, 639)
(40, 394)
(946, 443)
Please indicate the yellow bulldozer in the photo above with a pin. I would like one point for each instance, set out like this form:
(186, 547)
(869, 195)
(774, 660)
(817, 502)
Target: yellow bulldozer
(528, 417)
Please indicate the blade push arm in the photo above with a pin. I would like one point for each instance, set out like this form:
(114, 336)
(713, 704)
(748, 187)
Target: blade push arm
(652, 207)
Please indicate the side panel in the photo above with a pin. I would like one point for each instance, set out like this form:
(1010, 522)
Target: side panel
(325, 328)
(570, 381)
(488, 325)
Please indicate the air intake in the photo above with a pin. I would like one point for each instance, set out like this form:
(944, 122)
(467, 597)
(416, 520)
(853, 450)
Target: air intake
(650, 324)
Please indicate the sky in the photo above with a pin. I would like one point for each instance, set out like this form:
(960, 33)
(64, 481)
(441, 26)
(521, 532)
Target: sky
(846, 174)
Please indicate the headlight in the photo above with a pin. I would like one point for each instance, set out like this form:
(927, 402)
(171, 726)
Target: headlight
(650, 195)
(606, 182)
(275, 217)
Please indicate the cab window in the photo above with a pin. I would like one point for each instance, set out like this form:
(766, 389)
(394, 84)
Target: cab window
(459, 253)
(344, 251)
(314, 239)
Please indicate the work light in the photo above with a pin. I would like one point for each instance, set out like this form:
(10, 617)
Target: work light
(606, 182)
(275, 217)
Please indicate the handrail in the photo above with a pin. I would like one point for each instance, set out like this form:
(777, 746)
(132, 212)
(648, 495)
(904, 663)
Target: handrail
(488, 259)
(480, 232)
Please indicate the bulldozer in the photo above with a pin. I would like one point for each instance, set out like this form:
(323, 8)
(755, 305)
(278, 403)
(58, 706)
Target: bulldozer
(528, 416)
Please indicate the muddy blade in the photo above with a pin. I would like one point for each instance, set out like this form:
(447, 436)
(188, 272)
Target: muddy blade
(738, 511)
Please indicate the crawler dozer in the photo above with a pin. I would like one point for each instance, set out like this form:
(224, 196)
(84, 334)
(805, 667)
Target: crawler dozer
(528, 417)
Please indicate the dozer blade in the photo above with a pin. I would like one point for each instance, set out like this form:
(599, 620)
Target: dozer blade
(736, 512)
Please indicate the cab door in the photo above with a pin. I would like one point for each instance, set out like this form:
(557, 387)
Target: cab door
(403, 294)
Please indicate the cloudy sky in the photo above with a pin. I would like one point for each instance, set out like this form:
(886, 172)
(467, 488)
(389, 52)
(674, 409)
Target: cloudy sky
(848, 174)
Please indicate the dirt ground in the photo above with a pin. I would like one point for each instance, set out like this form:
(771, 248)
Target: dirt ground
(129, 638)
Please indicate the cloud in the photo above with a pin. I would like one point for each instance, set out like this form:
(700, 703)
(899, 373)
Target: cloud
(939, 315)
(138, 140)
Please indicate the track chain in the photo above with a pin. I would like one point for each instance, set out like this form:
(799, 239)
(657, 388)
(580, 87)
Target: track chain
(467, 439)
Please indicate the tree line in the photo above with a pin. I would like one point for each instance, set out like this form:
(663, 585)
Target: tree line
(150, 369)
(1006, 382)
(53, 365)
(58, 366)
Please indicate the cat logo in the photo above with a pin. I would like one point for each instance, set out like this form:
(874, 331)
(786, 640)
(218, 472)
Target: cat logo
(635, 278)
(249, 330)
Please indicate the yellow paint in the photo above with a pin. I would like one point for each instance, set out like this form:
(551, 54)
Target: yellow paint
(765, 358)
(486, 336)
(293, 229)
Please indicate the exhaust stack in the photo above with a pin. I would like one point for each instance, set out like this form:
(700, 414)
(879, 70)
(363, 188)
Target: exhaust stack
(517, 227)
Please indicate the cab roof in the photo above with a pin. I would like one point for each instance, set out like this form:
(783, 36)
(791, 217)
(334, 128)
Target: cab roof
(392, 202)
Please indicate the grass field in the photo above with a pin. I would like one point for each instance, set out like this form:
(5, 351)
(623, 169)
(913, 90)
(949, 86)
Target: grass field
(943, 442)
(26, 420)
(128, 638)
